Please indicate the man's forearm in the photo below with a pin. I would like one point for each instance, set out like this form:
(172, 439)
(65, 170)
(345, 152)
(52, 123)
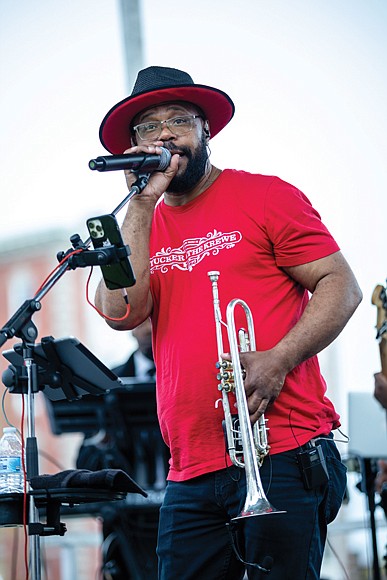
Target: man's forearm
(332, 304)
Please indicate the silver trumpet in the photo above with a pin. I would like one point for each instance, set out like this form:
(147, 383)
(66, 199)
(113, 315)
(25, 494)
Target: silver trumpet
(247, 445)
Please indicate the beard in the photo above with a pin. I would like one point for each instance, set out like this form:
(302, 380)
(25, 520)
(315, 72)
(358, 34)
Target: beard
(196, 166)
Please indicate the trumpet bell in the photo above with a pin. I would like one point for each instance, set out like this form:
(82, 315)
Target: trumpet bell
(261, 507)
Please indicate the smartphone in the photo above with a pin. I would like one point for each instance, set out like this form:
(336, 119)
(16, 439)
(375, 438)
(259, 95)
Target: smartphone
(105, 231)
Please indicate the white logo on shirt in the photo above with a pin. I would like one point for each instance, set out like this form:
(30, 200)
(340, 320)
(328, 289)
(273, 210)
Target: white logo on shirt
(192, 251)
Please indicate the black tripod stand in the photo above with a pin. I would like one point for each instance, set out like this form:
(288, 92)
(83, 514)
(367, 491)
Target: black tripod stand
(367, 485)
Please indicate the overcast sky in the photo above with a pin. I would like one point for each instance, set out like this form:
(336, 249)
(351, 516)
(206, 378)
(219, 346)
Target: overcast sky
(308, 81)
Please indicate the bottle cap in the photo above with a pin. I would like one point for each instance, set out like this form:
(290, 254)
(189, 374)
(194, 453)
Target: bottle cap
(9, 429)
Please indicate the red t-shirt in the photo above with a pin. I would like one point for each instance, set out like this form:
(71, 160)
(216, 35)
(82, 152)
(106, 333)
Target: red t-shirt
(246, 226)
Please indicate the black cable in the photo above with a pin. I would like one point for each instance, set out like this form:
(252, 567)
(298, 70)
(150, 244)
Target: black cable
(338, 559)
(267, 561)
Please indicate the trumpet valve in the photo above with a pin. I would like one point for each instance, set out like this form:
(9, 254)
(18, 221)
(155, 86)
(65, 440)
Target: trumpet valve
(224, 364)
(226, 386)
(224, 376)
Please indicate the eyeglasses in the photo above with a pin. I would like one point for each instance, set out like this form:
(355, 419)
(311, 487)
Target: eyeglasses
(177, 125)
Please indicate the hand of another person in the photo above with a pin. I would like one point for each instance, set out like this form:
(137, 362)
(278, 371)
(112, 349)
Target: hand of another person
(381, 477)
(380, 392)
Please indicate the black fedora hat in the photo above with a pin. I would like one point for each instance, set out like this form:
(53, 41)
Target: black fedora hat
(156, 85)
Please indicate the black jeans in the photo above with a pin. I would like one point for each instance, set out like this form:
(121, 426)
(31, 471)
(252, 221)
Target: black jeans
(194, 541)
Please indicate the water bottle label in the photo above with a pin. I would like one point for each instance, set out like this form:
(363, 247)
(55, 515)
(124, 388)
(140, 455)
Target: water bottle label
(10, 464)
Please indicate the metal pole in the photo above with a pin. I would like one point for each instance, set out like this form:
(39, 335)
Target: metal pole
(132, 37)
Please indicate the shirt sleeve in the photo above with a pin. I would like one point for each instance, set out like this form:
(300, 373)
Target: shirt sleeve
(294, 227)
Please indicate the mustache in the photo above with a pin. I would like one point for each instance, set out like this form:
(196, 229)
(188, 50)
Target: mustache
(181, 150)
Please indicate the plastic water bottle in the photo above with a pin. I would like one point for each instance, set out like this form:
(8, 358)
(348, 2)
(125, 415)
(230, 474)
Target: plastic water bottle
(11, 472)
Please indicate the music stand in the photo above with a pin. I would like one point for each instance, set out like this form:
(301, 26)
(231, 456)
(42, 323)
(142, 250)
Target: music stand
(66, 370)
(127, 418)
(133, 401)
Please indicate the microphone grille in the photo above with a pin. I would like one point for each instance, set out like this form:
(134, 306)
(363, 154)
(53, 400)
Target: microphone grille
(165, 159)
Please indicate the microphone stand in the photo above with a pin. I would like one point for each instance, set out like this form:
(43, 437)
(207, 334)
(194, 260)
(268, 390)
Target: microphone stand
(367, 485)
(21, 326)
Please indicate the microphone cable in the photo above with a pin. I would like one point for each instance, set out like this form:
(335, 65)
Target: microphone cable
(267, 561)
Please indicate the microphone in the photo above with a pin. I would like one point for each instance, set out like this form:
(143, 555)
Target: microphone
(266, 565)
(135, 162)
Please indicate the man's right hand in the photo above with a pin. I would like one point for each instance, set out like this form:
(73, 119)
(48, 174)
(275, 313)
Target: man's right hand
(159, 180)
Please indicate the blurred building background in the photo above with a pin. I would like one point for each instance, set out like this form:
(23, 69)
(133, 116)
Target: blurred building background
(308, 80)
